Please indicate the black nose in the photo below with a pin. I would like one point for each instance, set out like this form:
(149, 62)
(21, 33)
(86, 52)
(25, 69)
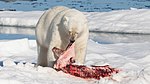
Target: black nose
(72, 41)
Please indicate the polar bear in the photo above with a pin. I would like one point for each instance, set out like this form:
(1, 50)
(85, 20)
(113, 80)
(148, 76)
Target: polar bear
(56, 28)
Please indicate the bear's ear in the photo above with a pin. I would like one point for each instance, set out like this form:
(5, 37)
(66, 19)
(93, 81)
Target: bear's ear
(65, 20)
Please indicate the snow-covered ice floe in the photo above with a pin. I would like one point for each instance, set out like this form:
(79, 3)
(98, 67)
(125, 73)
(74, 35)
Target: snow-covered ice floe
(20, 18)
(131, 58)
(121, 21)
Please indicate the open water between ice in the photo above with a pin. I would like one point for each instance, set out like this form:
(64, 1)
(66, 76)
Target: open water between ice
(82, 5)
(11, 33)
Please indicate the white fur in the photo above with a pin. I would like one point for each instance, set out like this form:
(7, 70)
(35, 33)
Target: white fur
(56, 27)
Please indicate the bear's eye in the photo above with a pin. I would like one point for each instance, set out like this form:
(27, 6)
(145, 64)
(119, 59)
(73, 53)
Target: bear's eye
(76, 32)
(73, 33)
(69, 32)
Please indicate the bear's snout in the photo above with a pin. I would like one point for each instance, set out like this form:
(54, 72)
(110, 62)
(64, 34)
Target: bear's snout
(73, 36)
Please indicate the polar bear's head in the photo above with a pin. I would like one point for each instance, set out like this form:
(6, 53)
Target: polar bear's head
(73, 26)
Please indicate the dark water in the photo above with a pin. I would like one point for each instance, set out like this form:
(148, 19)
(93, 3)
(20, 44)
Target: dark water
(82, 5)
(15, 36)
(111, 38)
(11, 33)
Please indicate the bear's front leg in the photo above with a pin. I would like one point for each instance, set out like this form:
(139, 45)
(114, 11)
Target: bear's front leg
(42, 56)
(80, 52)
(50, 57)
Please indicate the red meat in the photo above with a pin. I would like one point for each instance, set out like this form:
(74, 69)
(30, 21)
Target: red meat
(65, 56)
(66, 60)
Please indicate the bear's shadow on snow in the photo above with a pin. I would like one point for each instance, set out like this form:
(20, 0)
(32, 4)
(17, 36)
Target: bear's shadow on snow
(1, 63)
(63, 35)
(16, 62)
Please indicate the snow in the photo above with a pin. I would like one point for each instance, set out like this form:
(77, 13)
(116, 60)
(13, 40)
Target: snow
(20, 18)
(122, 21)
(18, 57)
(125, 21)
(131, 58)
